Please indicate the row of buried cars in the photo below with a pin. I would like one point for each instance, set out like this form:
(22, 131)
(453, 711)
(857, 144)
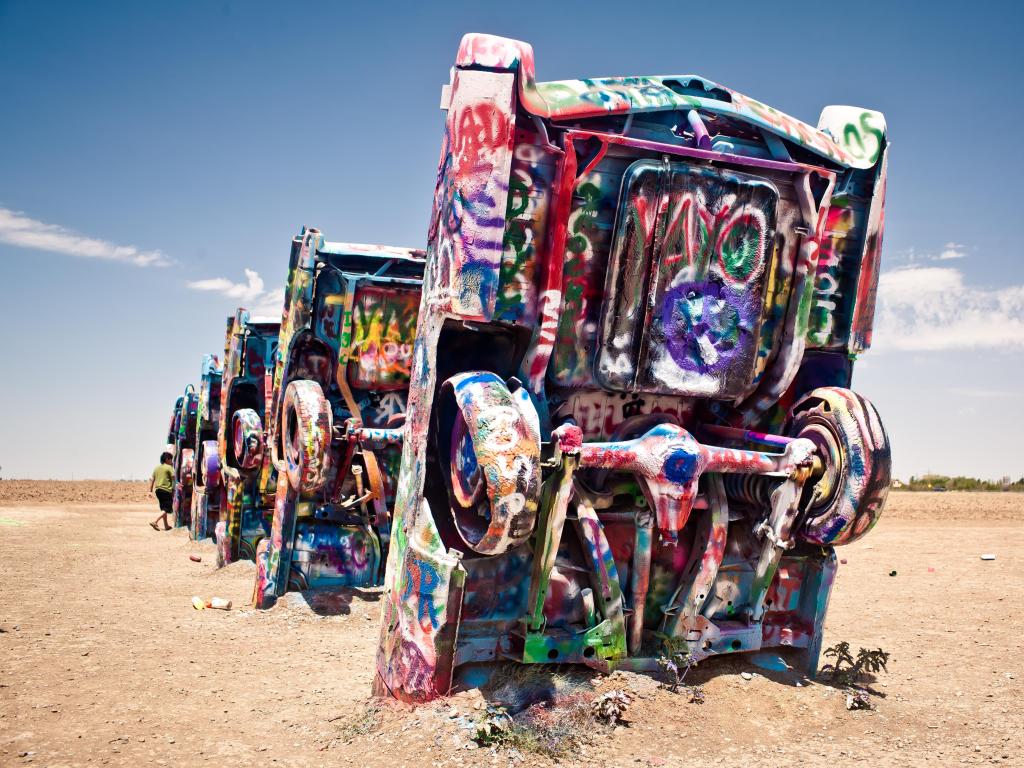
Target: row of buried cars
(607, 409)
(299, 423)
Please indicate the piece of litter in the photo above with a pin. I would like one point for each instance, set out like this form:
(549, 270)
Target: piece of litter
(843, 561)
(988, 556)
(892, 573)
(858, 699)
(214, 602)
(746, 676)
(195, 558)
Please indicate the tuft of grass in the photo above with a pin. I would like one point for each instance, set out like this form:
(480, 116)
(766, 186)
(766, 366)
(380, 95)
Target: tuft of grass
(516, 684)
(552, 730)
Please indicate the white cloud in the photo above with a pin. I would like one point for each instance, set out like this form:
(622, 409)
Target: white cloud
(18, 229)
(269, 304)
(251, 293)
(913, 257)
(247, 291)
(930, 309)
(952, 251)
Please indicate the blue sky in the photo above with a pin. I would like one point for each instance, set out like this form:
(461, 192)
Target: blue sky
(152, 153)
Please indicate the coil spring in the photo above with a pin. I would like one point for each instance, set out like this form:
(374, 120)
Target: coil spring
(750, 490)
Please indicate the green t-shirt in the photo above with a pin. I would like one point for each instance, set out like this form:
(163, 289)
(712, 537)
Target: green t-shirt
(163, 478)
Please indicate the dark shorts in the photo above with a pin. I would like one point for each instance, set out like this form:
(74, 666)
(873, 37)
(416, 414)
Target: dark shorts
(165, 499)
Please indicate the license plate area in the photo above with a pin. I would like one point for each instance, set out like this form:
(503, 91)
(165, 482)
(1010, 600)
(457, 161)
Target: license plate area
(686, 281)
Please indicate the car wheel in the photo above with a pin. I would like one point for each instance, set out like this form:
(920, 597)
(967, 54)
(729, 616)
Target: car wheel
(209, 463)
(308, 423)
(845, 501)
(247, 430)
(491, 461)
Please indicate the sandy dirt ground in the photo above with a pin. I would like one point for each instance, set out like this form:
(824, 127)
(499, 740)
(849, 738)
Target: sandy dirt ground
(103, 660)
(74, 492)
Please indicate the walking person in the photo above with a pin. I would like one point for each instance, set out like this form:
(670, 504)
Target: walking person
(162, 483)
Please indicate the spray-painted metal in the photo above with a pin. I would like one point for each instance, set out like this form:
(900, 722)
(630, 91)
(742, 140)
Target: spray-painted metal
(335, 406)
(181, 438)
(248, 479)
(191, 440)
(628, 414)
(206, 485)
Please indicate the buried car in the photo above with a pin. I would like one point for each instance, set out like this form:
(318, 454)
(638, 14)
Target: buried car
(181, 438)
(206, 490)
(247, 478)
(340, 379)
(629, 421)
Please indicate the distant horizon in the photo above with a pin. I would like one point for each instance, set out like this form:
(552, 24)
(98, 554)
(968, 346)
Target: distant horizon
(160, 159)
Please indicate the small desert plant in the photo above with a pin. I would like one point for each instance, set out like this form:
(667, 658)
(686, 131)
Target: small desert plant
(696, 693)
(675, 661)
(609, 708)
(847, 670)
(493, 727)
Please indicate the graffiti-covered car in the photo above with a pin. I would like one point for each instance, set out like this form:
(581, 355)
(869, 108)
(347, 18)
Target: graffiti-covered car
(247, 475)
(338, 402)
(206, 489)
(629, 417)
(172, 427)
(182, 438)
